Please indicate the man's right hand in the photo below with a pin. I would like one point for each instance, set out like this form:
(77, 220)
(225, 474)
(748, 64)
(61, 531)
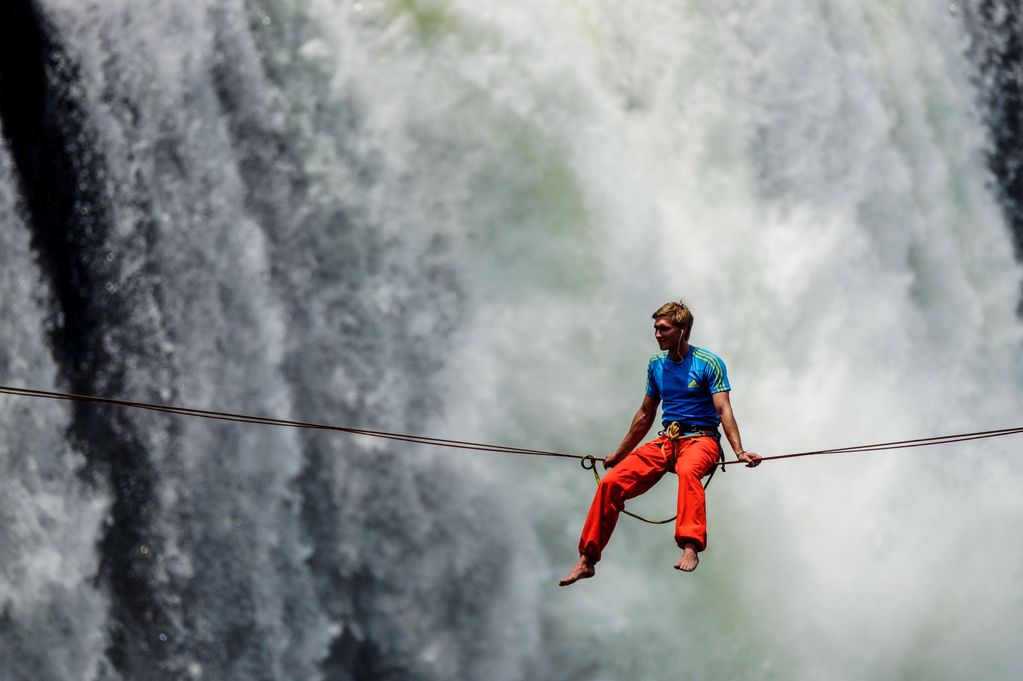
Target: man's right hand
(612, 460)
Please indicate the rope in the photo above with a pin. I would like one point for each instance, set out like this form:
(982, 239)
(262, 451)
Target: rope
(588, 462)
(899, 444)
(269, 421)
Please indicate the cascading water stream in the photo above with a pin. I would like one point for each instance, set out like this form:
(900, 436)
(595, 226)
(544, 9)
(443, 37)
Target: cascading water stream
(53, 618)
(455, 218)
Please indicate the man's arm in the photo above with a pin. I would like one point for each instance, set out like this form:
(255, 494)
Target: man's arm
(641, 423)
(723, 404)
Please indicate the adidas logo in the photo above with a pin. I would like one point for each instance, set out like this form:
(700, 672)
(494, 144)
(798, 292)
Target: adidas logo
(693, 383)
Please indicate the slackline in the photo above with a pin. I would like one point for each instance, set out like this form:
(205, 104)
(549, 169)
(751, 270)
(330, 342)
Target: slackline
(477, 446)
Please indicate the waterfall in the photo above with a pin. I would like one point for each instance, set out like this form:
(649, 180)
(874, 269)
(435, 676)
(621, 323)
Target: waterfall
(455, 218)
(53, 617)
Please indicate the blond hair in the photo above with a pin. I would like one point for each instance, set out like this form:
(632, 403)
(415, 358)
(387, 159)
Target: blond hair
(677, 313)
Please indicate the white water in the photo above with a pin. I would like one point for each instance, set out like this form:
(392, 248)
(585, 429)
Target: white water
(53, 617)
(474, 209)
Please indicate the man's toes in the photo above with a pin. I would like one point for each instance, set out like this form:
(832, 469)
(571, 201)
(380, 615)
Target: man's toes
(687, 563)
(576, 574)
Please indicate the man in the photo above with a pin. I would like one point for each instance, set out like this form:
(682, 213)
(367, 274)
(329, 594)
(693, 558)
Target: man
(693, 384)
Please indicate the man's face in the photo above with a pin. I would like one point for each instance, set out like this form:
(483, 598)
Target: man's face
(668, 335)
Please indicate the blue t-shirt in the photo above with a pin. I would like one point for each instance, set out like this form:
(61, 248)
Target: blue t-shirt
(685, 387)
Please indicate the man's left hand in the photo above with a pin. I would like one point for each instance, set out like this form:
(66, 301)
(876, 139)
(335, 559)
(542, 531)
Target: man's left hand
(612, 460)
(752, 460)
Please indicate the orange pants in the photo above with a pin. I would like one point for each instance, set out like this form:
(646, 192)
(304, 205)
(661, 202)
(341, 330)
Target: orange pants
(637, 473)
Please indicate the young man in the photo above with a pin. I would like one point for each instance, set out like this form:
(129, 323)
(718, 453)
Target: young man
(693, 384)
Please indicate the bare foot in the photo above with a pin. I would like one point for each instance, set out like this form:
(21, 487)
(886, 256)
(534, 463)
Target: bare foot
(583, 569)
(689, 560)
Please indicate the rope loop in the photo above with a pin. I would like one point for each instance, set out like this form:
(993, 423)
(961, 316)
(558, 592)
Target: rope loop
(589, 463)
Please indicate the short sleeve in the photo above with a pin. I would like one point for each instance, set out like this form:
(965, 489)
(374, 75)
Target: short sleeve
(652, 389)
(717, 376)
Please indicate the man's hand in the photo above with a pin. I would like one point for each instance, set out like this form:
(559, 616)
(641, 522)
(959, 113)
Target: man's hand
(612, 460)
(752, 460)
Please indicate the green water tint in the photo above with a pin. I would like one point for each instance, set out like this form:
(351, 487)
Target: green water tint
(544, 203)
(432, 19)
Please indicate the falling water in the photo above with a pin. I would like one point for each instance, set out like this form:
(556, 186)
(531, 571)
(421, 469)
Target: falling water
(455, 218)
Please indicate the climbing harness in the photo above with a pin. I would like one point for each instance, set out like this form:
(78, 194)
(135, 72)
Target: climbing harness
(683, 431)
